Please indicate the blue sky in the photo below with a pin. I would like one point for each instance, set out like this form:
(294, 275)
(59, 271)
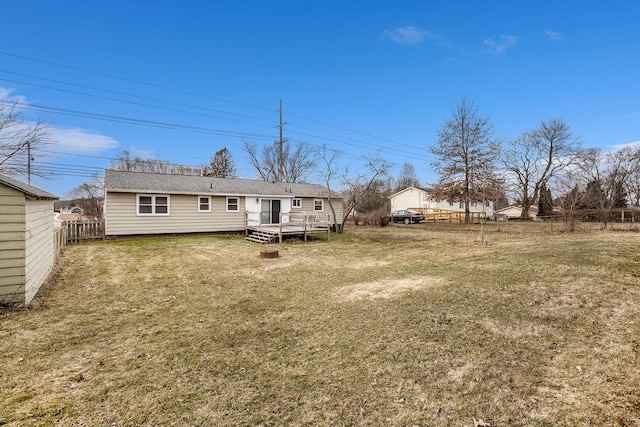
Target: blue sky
(358, 76)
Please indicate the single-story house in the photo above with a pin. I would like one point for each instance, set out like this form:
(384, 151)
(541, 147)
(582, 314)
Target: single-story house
(75, 210)
(515, 212)
(27, 252)
(421, 199)
(149, 203)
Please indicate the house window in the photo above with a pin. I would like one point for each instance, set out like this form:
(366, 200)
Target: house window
(233, 204)
(152, 205)
(461, 205)
(204, 204)
(318, 205)
(451, 203)
(474, 204)
(296, 203)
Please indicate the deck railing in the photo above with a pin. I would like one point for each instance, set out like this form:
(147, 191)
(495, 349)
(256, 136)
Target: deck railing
(290, 223)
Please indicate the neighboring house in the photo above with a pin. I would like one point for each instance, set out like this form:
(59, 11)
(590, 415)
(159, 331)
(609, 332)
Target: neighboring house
(27, 251)
(515, 212)
(421, 198)
(77, 210)
(147, 203)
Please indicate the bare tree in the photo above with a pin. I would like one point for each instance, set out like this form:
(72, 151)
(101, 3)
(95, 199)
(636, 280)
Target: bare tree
(608, 173)
(633, 183)
(90, 195)
(221, 165)
(571, 184)
(125, 162)
(298, 161)
(466, 150)
(536, 156)
(357, 187)
(17, 138)
(407, 178)
(328, 173)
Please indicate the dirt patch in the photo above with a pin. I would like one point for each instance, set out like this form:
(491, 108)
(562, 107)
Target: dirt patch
(389, 288)
(369, 263)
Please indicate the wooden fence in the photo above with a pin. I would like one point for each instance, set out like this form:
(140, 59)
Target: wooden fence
(82, 230)
(59, 239)
(445, 215)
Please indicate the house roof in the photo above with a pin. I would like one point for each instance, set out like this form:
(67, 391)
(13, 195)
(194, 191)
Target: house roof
(137, 182)
(424, 190)
(27, 189)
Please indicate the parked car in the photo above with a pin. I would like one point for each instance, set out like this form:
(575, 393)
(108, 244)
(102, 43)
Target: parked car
(407, 216)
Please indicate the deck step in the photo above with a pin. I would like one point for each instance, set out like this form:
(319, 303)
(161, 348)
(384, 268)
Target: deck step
(260, 237)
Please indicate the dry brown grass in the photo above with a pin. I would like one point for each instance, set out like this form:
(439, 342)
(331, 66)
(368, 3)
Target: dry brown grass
(396, 326)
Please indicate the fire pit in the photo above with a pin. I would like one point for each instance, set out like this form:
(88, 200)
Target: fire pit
(270, 253)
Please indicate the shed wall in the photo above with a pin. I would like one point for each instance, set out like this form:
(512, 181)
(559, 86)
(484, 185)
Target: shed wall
(39, 248)
(12, 245)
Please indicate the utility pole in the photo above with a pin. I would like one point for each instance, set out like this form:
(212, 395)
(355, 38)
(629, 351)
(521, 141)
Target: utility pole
(29, 160)
(280, 159)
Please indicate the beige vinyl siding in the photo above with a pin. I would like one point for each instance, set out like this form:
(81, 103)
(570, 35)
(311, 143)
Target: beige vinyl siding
(12, 244)
(39, 249)
(337, 206)
(183, 218)
(308, 206)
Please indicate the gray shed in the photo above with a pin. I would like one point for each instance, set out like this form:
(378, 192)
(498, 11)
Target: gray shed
(27, 251)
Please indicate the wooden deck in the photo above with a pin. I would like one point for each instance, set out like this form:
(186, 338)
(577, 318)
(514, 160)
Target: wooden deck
(291, 224)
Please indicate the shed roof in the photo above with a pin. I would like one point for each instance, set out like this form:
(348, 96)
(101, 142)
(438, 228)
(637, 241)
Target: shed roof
(27, 189)
(130, 182)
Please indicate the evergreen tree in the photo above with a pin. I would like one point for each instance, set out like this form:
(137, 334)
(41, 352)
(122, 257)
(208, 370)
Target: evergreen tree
(221, 165)
(593, 195)
(545, 201)
(619, 197)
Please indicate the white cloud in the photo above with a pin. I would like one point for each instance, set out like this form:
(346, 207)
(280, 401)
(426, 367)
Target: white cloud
(138, 152)
(6, 94)
(553, 36)
(76, 141)
(408, 35)
(504, 42)
(68, 141)
(634, 145)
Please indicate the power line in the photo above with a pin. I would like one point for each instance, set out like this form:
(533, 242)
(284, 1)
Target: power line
(85, 114)
(125, 79)
(128, 101)
(350, 130)
(141, 122)
(186, 92)
(380, 147)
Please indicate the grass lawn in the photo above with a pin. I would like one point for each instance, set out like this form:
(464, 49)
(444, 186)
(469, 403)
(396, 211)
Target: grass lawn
(401, 326)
